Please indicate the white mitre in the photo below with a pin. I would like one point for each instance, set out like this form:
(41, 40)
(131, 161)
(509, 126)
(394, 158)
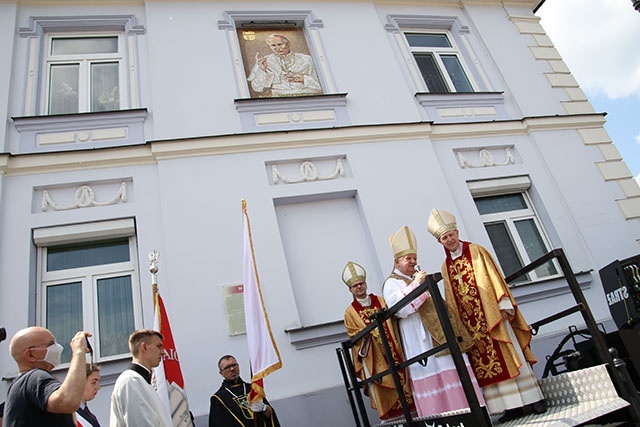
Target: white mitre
(440, 221)
(403, 242)
(353, 273)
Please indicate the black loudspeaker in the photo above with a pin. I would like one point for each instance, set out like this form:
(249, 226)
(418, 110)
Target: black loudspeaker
(621, 283)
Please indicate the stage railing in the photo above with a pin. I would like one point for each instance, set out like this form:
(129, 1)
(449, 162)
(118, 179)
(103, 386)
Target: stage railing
(478, 414)
(355, 385)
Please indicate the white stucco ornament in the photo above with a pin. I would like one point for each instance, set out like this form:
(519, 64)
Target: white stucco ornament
(84, 198)
(486, 159)
(308, 172)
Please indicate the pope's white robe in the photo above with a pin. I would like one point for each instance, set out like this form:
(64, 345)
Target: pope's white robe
(275, 76)
(134, 403)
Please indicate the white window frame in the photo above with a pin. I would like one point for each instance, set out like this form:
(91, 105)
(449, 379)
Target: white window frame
(41, 29)
(512, 186)
(88, 276)
(84, 61)
(437, 53)
(459, 36)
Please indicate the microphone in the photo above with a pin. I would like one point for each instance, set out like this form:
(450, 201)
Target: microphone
(417, 269)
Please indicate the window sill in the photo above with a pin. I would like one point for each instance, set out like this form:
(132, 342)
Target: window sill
(317, 335)
(548, 288)
(80, 131)
(299, 112)
(462, 107)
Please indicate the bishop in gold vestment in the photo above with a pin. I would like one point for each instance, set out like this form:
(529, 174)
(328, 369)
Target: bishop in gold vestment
(501, 356)
(369, 357)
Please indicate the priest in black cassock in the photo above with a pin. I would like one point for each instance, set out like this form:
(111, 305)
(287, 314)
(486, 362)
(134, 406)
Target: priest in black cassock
(230, 404)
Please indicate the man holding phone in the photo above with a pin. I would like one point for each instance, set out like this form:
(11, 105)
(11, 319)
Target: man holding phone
(36, 397)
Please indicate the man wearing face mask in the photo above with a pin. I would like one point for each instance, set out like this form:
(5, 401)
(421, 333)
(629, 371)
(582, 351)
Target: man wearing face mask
(37, 398)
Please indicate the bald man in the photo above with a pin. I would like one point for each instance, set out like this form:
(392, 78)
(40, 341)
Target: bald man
(37, 398)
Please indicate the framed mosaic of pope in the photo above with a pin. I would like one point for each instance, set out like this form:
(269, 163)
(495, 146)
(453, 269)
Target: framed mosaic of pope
(277, 63)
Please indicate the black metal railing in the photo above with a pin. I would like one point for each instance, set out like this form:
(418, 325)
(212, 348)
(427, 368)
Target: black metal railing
(478, 416)
(617, 369)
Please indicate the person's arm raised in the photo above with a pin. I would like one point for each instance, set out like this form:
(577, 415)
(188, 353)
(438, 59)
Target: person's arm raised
(67, 398)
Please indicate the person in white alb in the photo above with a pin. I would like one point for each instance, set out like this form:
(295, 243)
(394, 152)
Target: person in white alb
(435, 384)
(134, 402)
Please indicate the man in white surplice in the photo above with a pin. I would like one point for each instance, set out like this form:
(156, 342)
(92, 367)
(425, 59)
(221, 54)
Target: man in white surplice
(436, 386)
(134, 402)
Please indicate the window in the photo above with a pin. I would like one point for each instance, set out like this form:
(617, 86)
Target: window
(515, 233)
(439, 62)
(81, 64)
(88, 280)
(83, 73)
(282, 73)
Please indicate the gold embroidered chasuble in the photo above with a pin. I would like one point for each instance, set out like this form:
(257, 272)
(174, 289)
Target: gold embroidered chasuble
(475, 283)
(385, 398)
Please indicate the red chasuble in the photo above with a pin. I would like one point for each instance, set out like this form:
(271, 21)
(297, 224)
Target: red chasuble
(477, 292)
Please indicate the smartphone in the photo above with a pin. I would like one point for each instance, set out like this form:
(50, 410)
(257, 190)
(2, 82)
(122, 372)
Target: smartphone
(90, 353)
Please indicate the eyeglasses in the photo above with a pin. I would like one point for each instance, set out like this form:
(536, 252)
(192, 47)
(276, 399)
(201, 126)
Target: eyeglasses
(226, 368)
(355, 285)
(42, 346)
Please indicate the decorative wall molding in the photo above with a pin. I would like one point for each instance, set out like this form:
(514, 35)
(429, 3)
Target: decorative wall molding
(301, 112)
(84, 198)
(486, 159)
(308, 172)
(80, 130)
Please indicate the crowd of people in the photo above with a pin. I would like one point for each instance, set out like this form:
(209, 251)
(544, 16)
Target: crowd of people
(490, 330)
(37, 398)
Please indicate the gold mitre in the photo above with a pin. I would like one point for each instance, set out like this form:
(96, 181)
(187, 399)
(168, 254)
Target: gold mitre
(353, 273)
(441, 221)
(403, 242)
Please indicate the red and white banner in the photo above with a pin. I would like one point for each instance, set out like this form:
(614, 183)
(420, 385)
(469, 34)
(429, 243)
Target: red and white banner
(263, 351)
(168, 375)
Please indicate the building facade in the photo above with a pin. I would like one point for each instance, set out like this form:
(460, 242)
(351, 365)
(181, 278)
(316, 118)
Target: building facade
(132, 126)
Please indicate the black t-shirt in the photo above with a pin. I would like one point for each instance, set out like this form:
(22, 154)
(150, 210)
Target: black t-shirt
(27, 400)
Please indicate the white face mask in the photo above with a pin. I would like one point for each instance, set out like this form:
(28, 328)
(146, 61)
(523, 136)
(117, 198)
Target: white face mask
(54, 354)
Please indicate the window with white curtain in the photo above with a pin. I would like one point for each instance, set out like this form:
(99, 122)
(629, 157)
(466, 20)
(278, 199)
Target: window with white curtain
(514, 228)
(439, 62)
(83, 73)
(88, 280)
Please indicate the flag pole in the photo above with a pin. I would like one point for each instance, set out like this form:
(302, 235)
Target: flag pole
(167, 376)
(154, 255)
